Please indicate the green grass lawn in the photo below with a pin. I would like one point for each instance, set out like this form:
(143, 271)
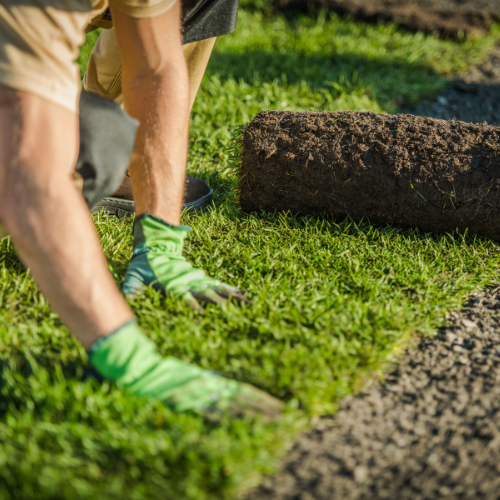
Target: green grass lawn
(333, 302)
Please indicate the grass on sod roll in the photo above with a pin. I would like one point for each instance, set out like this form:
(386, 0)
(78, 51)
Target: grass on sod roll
(333, 302)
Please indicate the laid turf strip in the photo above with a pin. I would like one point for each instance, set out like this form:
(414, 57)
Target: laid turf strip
(403, 170)
(446, 18)
(432, 430)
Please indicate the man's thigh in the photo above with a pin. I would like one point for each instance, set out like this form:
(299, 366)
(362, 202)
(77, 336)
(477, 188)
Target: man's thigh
(39, 42)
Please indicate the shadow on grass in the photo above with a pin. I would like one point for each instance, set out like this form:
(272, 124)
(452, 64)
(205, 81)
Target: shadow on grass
(388, 80)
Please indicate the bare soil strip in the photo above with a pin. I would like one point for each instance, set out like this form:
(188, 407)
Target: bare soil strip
(446, 18)
(392, 169)
(430, 431)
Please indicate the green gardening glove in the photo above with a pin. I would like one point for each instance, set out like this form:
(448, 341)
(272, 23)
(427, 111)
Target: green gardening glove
(157, 260)
(128, 358)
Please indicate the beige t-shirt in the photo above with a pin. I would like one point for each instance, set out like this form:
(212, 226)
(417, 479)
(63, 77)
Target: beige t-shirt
(40, 39)
(134, 8)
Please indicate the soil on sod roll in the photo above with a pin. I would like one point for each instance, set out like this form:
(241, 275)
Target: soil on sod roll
(430, 431)
(391, 169)
(446, 18)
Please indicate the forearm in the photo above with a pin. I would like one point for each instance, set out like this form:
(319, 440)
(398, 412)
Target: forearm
(156, 92)
(161, 104)
(48, 219)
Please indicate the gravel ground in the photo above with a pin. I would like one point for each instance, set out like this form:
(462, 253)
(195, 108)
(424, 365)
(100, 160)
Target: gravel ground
(431, 430)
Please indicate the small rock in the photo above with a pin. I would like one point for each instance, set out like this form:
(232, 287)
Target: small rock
(444, 491)
(469, 324)
(450, 337)
(360, 474)
(442, 100)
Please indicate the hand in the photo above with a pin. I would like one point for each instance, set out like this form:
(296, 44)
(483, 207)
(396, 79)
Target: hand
(157, 260)
(130, 359)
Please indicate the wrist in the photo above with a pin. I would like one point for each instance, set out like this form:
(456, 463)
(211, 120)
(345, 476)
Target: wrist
(152, 233)
(123, 355)
(161, 222)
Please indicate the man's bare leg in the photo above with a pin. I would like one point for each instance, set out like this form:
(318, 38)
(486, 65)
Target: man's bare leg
(48, 219)
(197, 55)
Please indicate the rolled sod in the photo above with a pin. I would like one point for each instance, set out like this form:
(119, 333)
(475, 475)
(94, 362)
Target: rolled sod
(401, 170)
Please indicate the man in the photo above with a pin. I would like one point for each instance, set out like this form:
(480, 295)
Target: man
(39, 90)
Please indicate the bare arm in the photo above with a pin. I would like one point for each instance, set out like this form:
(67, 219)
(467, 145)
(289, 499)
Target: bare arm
(156, 92)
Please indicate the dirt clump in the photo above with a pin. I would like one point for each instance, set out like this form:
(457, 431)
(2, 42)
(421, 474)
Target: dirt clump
(446, 18)
(431, 430)
(391, 169)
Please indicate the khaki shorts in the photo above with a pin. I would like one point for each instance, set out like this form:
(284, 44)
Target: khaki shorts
(104, 71)
(40, 39)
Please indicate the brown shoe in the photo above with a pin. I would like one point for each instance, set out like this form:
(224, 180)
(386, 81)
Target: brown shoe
(197, 197)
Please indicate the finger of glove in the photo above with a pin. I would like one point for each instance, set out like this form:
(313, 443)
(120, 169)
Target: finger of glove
(192, 302)
(208, 296)
(229, 292)
(133, 293)
(268, 409)
(251, 403)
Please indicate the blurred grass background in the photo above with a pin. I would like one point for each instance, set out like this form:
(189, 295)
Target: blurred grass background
(333, 301)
